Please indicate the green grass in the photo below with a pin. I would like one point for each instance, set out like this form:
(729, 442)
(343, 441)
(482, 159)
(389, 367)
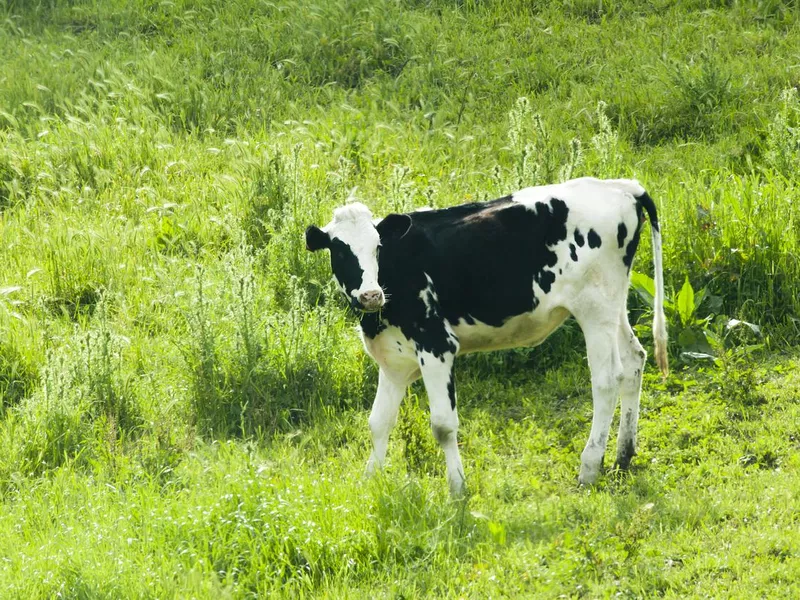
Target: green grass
(184, 397)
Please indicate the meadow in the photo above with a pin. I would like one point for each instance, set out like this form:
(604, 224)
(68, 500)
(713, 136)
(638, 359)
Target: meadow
(184, 398)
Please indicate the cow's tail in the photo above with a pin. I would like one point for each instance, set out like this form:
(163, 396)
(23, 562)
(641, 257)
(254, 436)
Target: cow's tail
(659, 321)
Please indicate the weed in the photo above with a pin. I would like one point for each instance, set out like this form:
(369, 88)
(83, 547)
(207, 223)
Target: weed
(420, 452)
(783, 135)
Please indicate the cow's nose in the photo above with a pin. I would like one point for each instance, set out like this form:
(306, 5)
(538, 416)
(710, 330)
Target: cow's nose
(371, 300)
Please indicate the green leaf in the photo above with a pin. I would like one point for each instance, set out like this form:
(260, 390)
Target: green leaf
(644, 286)
(699, 297)
(685, 302)
(736, 323)
(687, 338)
(698, 355)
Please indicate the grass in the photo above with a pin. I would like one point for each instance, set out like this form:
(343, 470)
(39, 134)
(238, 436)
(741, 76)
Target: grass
(184, 396)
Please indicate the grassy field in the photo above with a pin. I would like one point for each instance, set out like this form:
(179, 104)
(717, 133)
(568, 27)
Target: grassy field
(184, 397)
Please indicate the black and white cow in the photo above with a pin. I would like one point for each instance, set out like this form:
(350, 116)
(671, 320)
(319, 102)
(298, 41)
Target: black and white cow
(437, 283)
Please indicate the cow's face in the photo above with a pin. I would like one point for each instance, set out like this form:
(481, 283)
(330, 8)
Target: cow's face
(354, 243)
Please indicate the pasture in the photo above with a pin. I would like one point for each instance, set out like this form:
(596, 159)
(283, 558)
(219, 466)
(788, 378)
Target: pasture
(184, 397)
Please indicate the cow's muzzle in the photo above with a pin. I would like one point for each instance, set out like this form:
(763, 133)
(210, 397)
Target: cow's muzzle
(371, 301)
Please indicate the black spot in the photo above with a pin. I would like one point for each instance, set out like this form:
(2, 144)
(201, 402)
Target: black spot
(451, 391)
(345, 266)
(560, 271)
(421, 361)
(372, 325)
(546, 281)
(625, 454)
(594, 239)
(622, 233)
(578, 238)
(630, 249)
(573, 254)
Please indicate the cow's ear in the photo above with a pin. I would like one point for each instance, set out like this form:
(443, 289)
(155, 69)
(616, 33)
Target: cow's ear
(394, 226)
(316, 239)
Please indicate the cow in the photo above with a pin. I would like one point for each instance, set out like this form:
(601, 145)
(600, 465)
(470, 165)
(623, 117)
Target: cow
(430, 285)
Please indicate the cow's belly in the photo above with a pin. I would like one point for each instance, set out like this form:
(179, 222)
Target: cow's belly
(529, 329)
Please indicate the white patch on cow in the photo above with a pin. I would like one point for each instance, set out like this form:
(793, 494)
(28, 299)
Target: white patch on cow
(394, 353)
(529, 329)
(352, 224)
(428, 297)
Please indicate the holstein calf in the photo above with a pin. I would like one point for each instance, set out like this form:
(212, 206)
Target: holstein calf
(438, 283)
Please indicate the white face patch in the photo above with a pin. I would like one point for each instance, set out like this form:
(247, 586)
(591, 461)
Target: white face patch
(351, 231)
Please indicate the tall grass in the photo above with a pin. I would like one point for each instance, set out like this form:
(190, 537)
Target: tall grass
(159, 163)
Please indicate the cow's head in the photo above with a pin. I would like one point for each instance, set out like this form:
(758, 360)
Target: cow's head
(354, 242)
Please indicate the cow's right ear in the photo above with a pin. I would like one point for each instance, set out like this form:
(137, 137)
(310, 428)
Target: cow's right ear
(316, 239)
(394, 226)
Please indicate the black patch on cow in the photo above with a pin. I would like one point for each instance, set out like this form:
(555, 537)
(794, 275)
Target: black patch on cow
(647, 202)
(579, 238)
(630, 249)
(421, 361)
(451, 390)
(470, 252)
(372, 324)
(594, 239)
(345, 265)
(546, 281)
(573, 253)
(622, 233)
(625, 454)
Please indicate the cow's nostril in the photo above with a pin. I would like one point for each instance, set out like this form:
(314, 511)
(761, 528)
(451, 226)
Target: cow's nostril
(371, 299)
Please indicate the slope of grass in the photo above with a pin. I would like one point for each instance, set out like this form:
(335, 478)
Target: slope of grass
(183, 394)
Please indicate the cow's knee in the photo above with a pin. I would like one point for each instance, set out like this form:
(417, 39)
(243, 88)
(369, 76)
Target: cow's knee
(444, 427)
(607, 382)
(382, 420)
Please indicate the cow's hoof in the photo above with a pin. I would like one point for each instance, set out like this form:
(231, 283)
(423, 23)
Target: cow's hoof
(588, 476)
(625, 454)
(458, 489)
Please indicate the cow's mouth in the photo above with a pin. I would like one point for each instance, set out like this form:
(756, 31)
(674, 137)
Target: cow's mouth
(358, 307)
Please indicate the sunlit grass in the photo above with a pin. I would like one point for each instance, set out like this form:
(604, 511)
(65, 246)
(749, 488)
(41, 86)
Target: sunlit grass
(183, 394)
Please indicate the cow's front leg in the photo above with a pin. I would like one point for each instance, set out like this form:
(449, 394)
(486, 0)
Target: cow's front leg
(439, 378)
(383, 417)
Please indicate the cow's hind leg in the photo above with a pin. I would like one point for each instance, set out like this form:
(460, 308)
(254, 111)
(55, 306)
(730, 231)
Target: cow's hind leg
(439, 378)
(602, 348)
(383, 417)
(633, 357)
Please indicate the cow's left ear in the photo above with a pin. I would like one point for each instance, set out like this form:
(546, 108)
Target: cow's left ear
(316, 239)
(394, 226)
